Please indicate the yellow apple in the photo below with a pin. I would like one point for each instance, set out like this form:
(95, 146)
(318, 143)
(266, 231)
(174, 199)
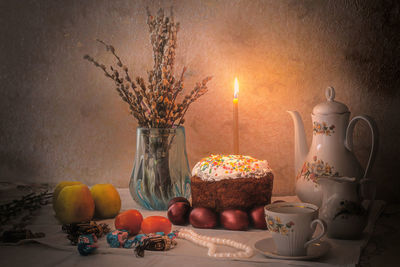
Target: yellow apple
(59, 187)
(107, 201)
(74, 204)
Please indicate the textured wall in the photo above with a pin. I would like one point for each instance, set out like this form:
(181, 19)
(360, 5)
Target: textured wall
(61, 118)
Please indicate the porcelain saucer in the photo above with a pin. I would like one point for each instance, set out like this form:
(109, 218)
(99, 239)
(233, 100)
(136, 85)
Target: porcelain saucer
(267, 248)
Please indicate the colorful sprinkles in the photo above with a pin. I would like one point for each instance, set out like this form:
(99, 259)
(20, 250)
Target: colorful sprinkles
(225, 165)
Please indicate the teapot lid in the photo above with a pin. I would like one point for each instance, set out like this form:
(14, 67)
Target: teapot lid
(330, 106)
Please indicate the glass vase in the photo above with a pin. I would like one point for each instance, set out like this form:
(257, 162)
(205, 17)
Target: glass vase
(161, 169)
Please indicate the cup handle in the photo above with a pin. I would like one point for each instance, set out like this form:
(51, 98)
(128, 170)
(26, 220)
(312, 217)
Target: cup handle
(324, 230)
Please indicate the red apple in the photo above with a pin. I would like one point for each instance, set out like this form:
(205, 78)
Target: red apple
(178, 213)
(203, 218)
(257, 218)
(234, 219)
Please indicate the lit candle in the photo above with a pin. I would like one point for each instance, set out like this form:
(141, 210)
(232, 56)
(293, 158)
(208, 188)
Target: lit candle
(236, 118)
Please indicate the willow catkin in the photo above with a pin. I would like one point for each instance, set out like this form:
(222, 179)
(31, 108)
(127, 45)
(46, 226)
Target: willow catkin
(154, 105)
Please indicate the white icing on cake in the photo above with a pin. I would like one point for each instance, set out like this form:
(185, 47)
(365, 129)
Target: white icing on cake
(219, 167)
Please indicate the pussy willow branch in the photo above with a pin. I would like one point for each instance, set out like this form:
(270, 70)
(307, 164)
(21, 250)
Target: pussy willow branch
(154, 105)
(28, 203)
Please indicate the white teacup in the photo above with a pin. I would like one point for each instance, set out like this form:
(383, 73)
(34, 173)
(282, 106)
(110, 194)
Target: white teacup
(292, 225)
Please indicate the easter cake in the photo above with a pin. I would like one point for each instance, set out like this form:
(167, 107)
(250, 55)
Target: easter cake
(221, 182)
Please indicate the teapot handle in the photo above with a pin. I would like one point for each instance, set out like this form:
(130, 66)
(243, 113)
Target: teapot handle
(374, 133)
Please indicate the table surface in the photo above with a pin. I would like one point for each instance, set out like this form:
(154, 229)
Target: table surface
(382, 249)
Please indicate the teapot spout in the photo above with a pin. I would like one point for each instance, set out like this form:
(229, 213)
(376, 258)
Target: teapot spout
(300, 141)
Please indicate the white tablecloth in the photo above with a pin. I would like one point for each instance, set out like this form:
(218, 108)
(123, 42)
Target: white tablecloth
(55, 249)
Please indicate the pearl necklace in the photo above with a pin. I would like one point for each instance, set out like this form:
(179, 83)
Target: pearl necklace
(211, 242)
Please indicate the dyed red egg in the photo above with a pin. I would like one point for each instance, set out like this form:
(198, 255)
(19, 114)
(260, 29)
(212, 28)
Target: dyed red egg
(178, 213)
(178, 199)
(203, 218)
(129, 220)
(257, 218)
(234, 219)
(153, 224)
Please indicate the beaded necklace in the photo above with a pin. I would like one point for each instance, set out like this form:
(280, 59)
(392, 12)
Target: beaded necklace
(211, 242)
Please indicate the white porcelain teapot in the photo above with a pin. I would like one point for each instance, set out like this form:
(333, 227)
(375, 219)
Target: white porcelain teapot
(330, 153)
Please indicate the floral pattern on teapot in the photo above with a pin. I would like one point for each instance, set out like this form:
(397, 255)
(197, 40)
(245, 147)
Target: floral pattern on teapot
(276, 225)
(322, 128)
(311, 170)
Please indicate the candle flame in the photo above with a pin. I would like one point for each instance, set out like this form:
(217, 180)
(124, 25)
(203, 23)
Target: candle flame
(236, 93)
